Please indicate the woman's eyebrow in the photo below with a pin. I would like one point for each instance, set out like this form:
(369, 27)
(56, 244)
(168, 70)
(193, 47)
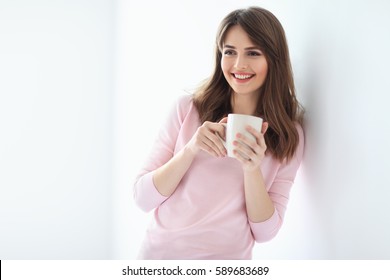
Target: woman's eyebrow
(248, 48)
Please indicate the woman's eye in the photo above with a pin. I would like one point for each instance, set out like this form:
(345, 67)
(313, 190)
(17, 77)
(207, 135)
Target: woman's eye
(254, 53)
(228, 52)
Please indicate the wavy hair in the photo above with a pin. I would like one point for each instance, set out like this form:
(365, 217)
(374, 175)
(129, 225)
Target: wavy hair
(277, 102)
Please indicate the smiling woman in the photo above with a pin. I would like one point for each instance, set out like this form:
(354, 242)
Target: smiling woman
(244, 67)
(208, 205)
(251, 44)
(340, 73)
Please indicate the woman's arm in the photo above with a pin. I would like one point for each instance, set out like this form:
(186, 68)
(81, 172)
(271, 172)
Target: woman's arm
(259, 205)
(164, 169)
(167, 177)
(146, 195)
(266, 209)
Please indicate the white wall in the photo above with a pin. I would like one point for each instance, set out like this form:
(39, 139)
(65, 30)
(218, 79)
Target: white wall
(55, 128)
(346, 93)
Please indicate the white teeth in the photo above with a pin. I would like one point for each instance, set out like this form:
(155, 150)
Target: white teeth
(242, 77)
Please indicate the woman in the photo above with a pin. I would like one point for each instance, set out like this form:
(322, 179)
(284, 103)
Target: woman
(207, 205)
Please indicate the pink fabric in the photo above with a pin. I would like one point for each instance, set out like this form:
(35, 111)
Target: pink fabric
(205, 218)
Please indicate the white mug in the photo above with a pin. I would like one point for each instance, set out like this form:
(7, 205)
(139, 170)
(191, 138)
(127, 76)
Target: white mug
(237, 123)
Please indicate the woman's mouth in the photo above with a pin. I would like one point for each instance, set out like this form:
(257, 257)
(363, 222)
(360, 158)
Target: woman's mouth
(241, 77)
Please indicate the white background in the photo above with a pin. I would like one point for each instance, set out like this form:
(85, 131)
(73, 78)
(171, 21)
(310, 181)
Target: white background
(85, 85)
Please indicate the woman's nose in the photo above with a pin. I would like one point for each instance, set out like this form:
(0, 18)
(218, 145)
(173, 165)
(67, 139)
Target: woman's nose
(240, 63)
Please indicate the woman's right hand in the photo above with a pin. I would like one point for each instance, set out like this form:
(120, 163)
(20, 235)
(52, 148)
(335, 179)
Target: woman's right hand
(205, 139)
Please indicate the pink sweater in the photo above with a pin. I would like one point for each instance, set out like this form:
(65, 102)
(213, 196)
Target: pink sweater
(205, 218)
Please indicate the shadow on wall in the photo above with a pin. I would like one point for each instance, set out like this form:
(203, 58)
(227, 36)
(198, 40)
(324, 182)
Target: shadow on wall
(317, 162)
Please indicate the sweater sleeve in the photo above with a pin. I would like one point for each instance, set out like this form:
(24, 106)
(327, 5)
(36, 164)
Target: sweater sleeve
(145, 193)
(279, 194)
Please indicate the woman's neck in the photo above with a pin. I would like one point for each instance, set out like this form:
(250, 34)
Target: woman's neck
(244, 104)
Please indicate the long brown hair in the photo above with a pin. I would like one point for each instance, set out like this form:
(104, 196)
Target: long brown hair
(277, 103)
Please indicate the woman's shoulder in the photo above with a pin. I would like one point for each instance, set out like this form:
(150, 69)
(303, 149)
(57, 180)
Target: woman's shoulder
(184, 103)
(184, 99)
(182, 106)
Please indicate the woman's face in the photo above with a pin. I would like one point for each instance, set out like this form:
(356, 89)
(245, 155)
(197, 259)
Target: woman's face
(243, 63)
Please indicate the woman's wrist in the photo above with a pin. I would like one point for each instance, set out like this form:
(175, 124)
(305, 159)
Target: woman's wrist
(251, 170)
(190, 151)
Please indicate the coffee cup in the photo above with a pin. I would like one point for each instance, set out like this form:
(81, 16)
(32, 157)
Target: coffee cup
(237, 123)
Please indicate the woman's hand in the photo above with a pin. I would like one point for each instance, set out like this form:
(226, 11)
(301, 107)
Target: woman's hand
(251, 152)
(205, 139)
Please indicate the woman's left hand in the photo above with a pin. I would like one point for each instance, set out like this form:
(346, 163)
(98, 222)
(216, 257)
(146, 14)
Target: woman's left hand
(251, 152)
